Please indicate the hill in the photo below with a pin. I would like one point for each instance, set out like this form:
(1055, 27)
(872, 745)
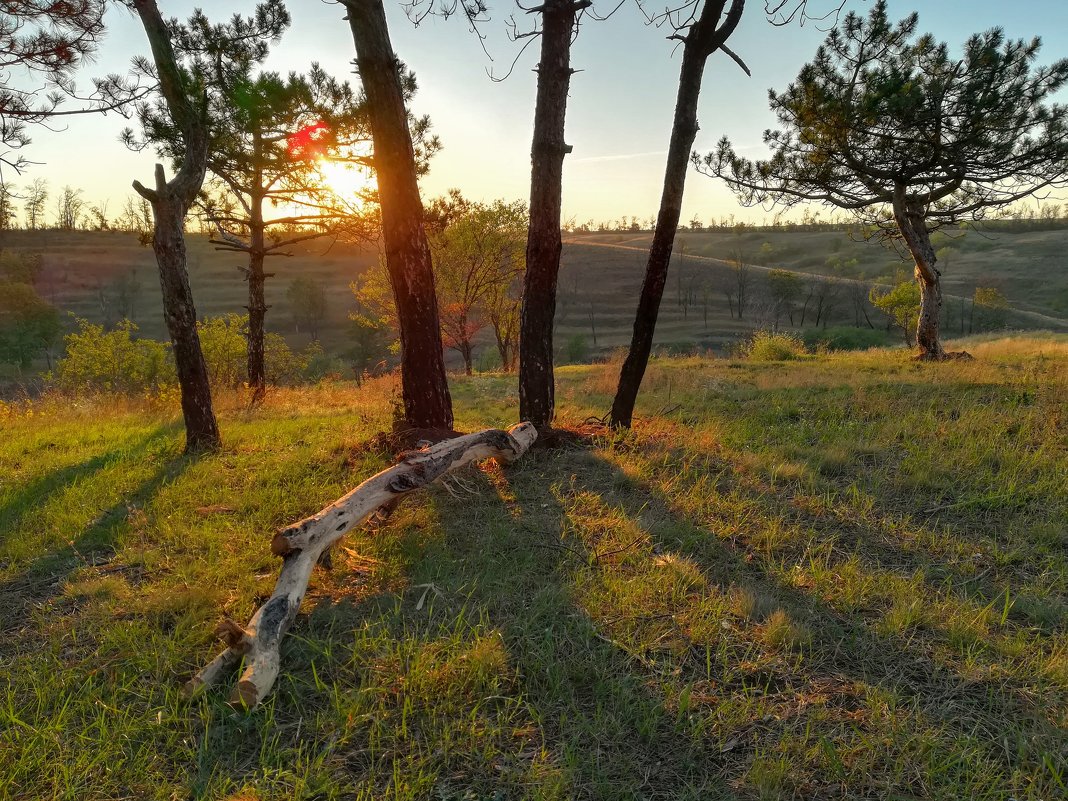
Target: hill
(844, 577)
(89, 273)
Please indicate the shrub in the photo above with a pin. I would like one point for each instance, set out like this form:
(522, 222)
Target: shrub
(223, 340)
(576, 351)
(845, 338)
(225, 349)
(769, 346)
(112, 361)
(29, 324)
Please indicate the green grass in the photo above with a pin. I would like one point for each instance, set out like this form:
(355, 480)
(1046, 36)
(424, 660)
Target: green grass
(844, 577)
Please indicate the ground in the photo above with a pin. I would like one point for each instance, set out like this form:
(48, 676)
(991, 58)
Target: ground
(844, 577)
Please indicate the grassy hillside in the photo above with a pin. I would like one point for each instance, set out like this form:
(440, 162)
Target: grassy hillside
(83, 272)
(845, 577)
(1030, 267)
(599, 282)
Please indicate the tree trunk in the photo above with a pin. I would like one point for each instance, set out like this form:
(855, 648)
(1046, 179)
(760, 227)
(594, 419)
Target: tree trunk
(257, 304)
(257, 312)
(683, 133)
(536, 390)
(302, 544)
(170, 201)
(468, 353)
(427, 403)
(168, 243)
(910, 221)
(502, 350)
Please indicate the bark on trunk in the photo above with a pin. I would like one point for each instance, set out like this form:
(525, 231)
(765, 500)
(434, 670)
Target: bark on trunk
(909, 216)
(170, 200)
(467, 351)
(425, 388)
(168, 243)
(257, 313)
(257, 304)
(302, 544)
(706, 35)
(683, 133)
(536, 384)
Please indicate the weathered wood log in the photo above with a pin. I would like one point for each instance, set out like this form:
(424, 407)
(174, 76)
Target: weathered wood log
(301, 544)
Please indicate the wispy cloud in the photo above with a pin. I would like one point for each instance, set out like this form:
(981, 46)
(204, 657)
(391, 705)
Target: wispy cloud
(620, 157)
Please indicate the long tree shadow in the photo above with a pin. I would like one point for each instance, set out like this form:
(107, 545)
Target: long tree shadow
(983, 712)
(37, 492)
(616, 735)
(43, 578)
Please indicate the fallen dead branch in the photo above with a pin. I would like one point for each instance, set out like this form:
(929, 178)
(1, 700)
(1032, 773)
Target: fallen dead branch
(302, 544)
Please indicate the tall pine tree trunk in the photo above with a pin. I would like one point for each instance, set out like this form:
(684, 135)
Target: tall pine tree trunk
(425, 388)
(257, 303)
(536, 390)
(706, 35)
(170, 201)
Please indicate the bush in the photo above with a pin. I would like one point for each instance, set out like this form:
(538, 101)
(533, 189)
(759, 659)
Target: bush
(768, 346)
(845, 338)
(576, 351)
(112, 361)
(223, 340)
(225, 349)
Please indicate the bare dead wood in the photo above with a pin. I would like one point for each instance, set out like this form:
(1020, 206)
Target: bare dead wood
(301, 545)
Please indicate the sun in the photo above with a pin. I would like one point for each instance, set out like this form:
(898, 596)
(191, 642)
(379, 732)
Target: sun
(348, 181)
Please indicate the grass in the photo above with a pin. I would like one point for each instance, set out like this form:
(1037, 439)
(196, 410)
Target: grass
(844, 577)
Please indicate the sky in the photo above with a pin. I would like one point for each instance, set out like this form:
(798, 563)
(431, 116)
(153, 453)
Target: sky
(618, 116)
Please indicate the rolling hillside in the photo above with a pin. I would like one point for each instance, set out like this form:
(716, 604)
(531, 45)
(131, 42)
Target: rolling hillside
(85, 273)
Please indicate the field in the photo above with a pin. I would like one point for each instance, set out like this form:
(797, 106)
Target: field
(599, 282)
(843, 577)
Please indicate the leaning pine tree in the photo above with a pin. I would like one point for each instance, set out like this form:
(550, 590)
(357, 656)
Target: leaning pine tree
(892, 128)
(701, 34)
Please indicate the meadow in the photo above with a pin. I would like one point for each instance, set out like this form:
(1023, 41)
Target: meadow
(839, 577)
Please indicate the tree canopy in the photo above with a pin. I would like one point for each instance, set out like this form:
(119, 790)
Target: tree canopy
(881, 112)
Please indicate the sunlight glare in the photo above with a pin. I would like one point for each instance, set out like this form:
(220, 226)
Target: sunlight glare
(349, 182)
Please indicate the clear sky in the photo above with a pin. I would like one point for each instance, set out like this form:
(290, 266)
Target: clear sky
(618, 117)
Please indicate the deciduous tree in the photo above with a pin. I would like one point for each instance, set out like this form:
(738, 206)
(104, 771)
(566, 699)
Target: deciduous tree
(34, 203)
(478, 262)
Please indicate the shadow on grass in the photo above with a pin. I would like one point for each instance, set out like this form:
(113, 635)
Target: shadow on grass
(37, 492)
(504, 551)
(43, 578)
